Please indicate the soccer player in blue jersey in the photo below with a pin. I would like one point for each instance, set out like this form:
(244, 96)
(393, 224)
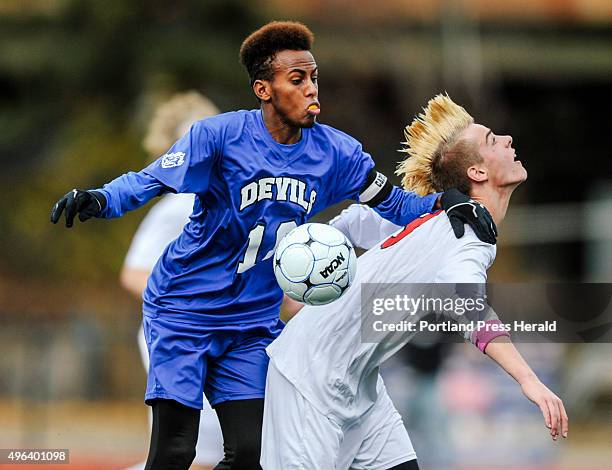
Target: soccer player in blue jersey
(211, 305)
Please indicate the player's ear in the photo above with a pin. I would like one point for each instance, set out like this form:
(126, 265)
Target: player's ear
(477, 173)
(261, 88)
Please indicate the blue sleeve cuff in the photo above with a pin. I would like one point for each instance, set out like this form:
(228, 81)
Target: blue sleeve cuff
(402, 207)
(433, 198)
(104, 212)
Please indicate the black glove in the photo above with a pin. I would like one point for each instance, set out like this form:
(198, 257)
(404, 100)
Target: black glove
(461, 210)
(87, 204)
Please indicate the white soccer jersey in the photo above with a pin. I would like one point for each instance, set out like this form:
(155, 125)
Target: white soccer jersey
(320, 351)
(163, 223)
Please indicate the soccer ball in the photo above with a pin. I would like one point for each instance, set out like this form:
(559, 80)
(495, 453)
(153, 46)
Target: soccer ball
(315, 264)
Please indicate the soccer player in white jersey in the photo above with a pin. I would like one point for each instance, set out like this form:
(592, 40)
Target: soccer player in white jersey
(162, 224)
(326, 406)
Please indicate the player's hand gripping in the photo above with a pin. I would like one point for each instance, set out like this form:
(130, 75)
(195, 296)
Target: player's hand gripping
(461, 209)
(551, 406)
(87, 204)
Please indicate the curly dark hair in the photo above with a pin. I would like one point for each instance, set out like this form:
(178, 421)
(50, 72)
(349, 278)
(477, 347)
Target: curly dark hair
(259, 49)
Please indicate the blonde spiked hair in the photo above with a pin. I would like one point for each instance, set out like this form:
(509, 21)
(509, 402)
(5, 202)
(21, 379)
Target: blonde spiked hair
(428, 138)
(173, 118)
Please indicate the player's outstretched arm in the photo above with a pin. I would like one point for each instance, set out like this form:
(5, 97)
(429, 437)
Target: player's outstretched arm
(123, 194)
(402, 207)
(185, 168)
(502, 351)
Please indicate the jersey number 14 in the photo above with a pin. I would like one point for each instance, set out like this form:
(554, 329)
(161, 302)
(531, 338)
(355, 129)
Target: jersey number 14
(255, 238)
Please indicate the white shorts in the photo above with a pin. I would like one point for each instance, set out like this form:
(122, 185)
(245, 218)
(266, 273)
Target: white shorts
(209, 449)
(297, 436)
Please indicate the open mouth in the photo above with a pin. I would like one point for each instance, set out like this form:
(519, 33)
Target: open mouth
(314, 109)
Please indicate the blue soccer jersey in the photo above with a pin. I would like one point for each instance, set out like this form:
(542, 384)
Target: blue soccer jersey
(250, 191)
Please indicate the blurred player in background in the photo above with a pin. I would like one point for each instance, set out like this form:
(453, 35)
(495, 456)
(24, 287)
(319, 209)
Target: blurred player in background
(211, 305)
(326, 404)
(164, 223)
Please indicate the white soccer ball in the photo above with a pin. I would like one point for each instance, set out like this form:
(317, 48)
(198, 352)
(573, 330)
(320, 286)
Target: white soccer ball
(315, 264)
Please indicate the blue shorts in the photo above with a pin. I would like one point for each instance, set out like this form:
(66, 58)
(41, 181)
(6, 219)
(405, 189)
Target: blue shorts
(187, 359)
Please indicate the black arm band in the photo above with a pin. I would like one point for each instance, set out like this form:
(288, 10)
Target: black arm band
(375, 189)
